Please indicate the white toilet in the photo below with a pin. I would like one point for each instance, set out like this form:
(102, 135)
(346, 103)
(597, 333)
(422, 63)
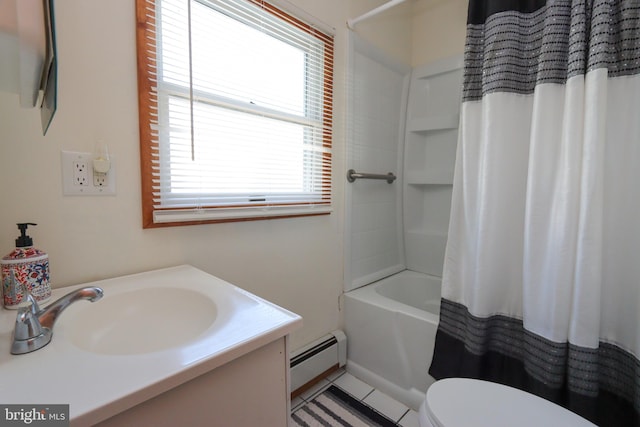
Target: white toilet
(463, 402)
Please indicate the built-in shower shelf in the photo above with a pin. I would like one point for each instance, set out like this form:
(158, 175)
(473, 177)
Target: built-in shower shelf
(430, 177)
(434, 123)
(433, 116)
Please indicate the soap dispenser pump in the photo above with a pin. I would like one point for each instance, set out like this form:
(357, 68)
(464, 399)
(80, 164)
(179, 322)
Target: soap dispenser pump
(25, 268)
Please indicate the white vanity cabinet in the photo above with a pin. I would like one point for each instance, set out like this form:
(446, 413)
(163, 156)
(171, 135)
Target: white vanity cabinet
(249, 391)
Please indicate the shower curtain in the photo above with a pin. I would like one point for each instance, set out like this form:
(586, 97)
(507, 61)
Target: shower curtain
(541, 283)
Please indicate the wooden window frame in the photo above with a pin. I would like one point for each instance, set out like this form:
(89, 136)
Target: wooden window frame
(148, 114)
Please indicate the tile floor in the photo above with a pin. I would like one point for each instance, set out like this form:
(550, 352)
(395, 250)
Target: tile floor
(379, 401)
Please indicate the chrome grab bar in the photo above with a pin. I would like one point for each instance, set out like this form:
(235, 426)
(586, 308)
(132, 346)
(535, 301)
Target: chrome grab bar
(352, 175)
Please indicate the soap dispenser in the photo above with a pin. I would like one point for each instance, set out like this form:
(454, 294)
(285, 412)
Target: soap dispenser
(25, 268)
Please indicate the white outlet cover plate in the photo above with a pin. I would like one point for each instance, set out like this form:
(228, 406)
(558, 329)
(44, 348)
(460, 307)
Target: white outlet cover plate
(71, 188)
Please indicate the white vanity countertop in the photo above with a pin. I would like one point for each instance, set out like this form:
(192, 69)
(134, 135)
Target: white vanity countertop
(98, 385)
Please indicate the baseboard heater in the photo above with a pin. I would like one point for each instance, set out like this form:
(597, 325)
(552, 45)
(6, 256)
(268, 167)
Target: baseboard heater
(316, 360)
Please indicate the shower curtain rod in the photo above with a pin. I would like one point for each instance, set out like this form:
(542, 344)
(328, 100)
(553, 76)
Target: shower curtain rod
(352, 22)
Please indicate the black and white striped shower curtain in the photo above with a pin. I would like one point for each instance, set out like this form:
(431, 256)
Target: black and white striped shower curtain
(541, 284)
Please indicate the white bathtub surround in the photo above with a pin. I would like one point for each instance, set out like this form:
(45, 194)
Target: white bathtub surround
(243, 349)
(399, 227)
(433, 114)
(541, 269)
(407, 120)
(377, 104)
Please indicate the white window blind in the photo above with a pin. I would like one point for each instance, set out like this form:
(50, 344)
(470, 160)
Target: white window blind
(238, 106)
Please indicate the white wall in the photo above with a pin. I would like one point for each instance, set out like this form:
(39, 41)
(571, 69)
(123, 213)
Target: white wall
(296, 263)
(415, 32)
(438, 29)
(98, 237)
(389, 30)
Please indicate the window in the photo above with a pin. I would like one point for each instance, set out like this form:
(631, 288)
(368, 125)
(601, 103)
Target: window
(235, 100)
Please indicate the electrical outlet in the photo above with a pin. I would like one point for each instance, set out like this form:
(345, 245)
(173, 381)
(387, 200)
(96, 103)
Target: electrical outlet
(99, 179)
(80, 179)
(80, 174)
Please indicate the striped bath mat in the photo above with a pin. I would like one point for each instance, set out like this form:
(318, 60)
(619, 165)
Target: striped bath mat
(334, 407)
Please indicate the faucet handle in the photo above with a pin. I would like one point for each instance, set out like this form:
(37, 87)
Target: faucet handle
(33, 307)
(27, 325)
(29, 334)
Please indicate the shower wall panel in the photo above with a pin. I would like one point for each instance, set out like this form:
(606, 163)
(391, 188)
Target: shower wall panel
(378, 90)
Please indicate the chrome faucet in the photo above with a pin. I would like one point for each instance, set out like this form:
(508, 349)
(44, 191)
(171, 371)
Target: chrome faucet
(34, 327)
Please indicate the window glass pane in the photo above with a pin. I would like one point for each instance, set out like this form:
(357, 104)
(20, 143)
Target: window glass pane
(235, 152)
(235, 60)
(174, 43)
(248, 66)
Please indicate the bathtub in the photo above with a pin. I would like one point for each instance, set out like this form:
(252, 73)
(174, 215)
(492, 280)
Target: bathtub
(391, 327)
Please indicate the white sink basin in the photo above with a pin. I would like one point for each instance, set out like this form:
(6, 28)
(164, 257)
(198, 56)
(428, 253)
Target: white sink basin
(141, 321)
